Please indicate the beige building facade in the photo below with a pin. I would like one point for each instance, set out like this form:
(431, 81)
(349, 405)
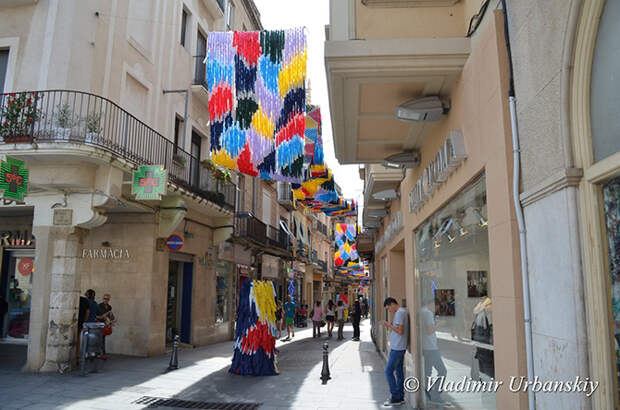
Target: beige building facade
(446, 240)
(122, 75)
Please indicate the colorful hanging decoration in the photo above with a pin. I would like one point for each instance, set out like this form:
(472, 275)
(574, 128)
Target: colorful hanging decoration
(13, 179)
(317, 192)
(149, 182)
(255, 341)
(345, 255)
(257, 99)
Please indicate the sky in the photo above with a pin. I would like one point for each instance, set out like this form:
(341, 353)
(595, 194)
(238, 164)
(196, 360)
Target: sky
(314, 15)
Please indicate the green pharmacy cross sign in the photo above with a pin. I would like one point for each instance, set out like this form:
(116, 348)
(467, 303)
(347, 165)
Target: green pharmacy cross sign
(149, 182)
(13, 179)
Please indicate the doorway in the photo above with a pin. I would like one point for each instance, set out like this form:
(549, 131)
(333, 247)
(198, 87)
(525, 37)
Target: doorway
(179, 301)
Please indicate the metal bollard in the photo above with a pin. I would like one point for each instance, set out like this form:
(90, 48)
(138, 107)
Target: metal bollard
(325, 372)
(174, 359)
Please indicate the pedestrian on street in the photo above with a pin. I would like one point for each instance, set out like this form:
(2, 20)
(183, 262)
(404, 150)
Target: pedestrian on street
(317, 317)
(105, 309)
(398, 345)
(365, 308)
(330, 317)
(279, 318)
(356, 316)
(340, 316)
(289, 310)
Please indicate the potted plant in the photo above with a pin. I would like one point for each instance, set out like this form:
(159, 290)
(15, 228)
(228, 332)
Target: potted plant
(179, 159)
(64, 122)
(219, 173)
(93, 128)
(18, 116)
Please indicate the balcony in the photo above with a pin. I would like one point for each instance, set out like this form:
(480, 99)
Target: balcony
(80, 120)
(215, 8)
(409, 3)
(285, 195)
(252, 231)
(323, 266)
(368, 79)
(301, 251)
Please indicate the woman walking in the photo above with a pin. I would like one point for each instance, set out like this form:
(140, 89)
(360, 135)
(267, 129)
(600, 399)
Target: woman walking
(330, 317)
(317, 316)
(340, 316)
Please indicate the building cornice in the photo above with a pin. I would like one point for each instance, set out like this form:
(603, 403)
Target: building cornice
(567, 177)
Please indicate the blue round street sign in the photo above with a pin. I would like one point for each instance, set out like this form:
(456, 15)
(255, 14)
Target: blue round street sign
(174, 242)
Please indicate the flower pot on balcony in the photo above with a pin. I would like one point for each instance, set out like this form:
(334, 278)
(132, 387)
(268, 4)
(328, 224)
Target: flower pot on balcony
(179, 161)
(92, 138)
(62, 134)
(17, 139)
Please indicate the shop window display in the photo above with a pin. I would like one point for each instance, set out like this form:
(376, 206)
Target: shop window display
(222, 288)
(453, 283)
(611, 203)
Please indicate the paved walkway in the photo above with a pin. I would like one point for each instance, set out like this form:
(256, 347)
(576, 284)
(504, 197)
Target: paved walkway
(357, 381)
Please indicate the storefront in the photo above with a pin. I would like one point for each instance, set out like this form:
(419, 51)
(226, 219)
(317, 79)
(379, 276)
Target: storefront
(17, 273)
(454, 293)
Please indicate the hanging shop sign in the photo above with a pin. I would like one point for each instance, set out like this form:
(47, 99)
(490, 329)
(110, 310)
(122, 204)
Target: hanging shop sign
(13, 179)
(446, 161)
(149, 182)
(395, 226)
(25, 266)
(174, 243)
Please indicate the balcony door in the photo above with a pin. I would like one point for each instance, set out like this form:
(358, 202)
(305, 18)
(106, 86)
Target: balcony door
(201, 52)
(195, 166)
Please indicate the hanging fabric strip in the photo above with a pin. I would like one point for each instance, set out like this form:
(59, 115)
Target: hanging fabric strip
(257, 101)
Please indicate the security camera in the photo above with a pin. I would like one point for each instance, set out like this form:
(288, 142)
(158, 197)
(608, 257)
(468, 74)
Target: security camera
(387, 195)
(423, 110)
(404, 159)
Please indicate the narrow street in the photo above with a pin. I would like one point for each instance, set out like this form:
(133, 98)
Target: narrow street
(356, 368)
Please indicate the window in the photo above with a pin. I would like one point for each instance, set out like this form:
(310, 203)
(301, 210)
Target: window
(184, 18)
(223, 271)
(453, 281)
(230, 11)
(196, 142)
(201, 52)
(178, 133)
(4, 61)
(605, 84)
(267, 207)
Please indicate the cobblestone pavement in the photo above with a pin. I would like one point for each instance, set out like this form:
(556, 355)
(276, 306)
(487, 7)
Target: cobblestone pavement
(357, 382)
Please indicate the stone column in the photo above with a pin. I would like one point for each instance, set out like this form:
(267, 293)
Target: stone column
(61, 268)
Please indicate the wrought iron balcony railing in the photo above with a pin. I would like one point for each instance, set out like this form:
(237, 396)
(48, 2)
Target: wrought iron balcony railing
(250, 227)
(76, 117)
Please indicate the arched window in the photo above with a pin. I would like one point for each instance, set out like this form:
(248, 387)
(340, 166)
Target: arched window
(605, 86)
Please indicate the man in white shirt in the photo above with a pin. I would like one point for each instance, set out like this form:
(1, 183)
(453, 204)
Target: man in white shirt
(430, 351)
(398, 344)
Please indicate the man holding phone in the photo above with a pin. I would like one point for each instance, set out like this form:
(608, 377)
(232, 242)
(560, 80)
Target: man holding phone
(398, 344)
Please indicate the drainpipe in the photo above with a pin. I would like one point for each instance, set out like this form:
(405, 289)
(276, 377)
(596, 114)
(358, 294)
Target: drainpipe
(520, 220)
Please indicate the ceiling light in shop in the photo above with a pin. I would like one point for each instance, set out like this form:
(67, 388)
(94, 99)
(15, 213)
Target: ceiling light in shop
(437, 243)
(451, 238)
